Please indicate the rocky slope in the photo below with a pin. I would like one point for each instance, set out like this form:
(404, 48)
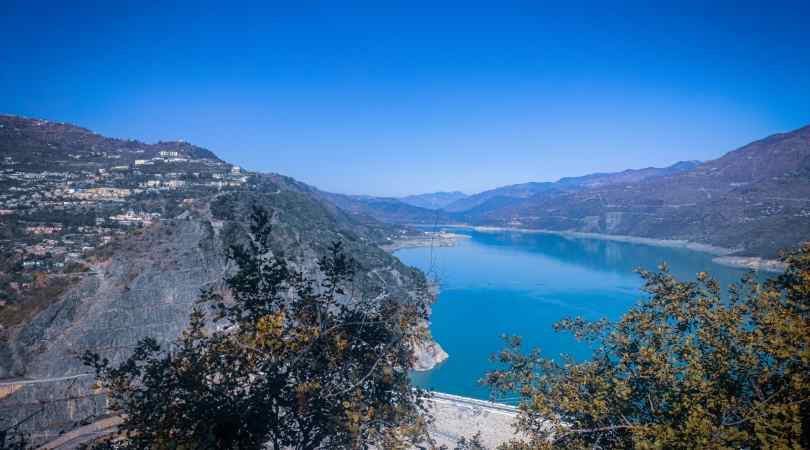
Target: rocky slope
(146, 282)
(150, 283)
(494, 198)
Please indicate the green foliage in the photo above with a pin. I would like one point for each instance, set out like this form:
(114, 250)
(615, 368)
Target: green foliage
(12, 441)
(286, 360)
(686, 368)
(473, 443)
(11, 437)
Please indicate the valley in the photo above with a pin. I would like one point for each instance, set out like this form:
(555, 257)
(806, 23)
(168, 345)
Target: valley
(107, 241)
(404, 225)
(752, 202)
(505, 282)
(103, 284)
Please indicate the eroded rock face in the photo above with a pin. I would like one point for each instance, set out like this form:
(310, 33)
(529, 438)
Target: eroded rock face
(428, 356)
(147, 288)
(150, 284)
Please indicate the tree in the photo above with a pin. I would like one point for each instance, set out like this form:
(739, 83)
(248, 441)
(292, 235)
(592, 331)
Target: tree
(10, 440)
(11, 437)
(473, 443)
(289, 362)
(686, 368)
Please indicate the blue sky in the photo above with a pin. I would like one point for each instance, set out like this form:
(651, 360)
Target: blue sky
(406, 99)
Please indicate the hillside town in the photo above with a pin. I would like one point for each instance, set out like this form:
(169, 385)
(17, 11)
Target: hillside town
(53, 214)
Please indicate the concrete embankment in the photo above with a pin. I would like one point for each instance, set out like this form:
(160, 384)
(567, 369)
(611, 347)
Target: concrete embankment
(455, 417)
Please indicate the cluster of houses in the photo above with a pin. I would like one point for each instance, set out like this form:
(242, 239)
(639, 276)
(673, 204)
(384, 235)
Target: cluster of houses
(85, 202)
(131, 218)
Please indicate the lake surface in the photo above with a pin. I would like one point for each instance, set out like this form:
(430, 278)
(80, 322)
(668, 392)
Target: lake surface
(522, 283)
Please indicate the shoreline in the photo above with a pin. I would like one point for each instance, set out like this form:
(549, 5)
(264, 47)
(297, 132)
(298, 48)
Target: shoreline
(752, 262)
(456, 417)
(428, 356)
(431, 355)
(435, 239)
(722, 255)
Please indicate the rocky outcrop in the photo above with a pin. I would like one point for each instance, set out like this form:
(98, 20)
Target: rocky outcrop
(428, 355)
(146, 283)
(147, 288)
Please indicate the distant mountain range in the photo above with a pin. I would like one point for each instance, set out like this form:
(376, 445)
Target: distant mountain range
(754, 201)
(63, 190)
(497, 197)
(457, 206)
(434, 200)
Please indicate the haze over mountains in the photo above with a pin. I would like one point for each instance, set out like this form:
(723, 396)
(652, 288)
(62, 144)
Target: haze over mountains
(527, 190)
(753, 201)
(434, 200)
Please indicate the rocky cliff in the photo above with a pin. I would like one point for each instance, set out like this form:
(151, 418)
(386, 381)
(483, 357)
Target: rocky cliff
(148, 286)
(146, 282)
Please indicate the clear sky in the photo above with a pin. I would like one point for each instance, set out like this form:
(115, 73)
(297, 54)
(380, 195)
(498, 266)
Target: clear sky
(392, 100)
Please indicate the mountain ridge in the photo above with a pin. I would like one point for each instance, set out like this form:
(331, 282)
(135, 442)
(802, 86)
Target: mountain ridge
(752, 201)
(80, 139)
(526, 190)
(433, 200)
(136, 234)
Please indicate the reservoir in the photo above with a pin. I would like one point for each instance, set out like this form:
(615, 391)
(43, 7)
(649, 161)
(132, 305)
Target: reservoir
(497, 283)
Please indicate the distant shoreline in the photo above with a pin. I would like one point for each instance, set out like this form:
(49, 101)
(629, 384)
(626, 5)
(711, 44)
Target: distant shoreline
(438, 239)
(722, 255)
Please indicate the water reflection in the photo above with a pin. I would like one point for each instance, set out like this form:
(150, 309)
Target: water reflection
(520, 283)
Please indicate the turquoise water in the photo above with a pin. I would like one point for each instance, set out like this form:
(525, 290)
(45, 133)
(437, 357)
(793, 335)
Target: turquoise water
(520, 283)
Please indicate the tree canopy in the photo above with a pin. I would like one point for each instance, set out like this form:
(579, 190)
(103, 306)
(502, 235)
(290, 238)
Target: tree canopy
(686, 368)
(285, 359)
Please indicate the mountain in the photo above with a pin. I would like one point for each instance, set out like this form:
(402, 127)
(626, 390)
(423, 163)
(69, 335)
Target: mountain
(500, 197)
(105, 242)
(627, 176)
(474, 208)
(754, 200)
(386, 209)
(433, 200)
(523, 190)
(32, 141)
